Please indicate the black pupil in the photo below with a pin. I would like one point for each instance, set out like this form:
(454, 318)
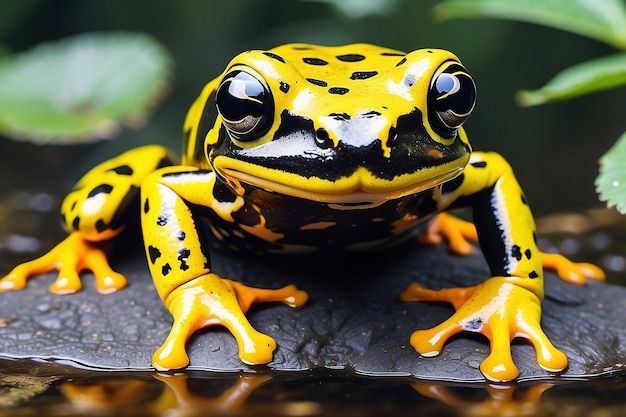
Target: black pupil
(455, 92)
(241, 96)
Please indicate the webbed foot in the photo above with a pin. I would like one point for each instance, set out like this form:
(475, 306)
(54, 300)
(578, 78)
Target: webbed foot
(500, 310)
(211, 300)
(71, 256)
(460, 234)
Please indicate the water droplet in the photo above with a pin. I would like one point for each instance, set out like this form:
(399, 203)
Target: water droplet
(22, 244)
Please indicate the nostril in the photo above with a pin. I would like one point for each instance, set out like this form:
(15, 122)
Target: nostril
(322, 139)
(392, 139)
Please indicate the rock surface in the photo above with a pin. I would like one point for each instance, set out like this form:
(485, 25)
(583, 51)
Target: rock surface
(354, 320)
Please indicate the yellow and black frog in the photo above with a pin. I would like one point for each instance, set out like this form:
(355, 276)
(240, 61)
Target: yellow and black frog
(303, 148)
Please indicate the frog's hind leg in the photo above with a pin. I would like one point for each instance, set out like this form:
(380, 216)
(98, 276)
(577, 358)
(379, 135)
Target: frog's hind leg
(94, 212)
(460, 233)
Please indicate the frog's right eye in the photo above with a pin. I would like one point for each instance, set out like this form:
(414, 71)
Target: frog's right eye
(245, 104)
(451, 99)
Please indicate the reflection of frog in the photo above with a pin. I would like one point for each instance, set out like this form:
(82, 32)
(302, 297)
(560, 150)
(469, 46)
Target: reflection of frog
(303, 148)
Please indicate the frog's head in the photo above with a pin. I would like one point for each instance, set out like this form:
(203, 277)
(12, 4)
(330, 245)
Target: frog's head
(346, 125)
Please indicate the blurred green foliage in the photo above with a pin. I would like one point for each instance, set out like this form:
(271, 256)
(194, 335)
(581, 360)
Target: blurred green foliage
(82, 87)
(552, 148)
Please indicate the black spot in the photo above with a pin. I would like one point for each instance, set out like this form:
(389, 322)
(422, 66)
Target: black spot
(322, 139)
(314, 61)
(474, 325)
(274, 56)
(340, 116)
(166, 269)
(123, 170)
(338, 90)
(301, 48)
(183, 254)
(317, 82)
(392, 136)
(453, 184)
(535, 237)
(479, 164)
(161, 220)
(73, 206)
(392, 54)
(181, 235)
(528, 253)
(102, 188)
(533, 274)
(351, 57)
(284, 87)
(223, 193)
(206, 123)
(76, 223)
(516, 252)
(101, 226)
(402, 61)
(363, 75)
(372, 113)
(154, 254)
(146, 206)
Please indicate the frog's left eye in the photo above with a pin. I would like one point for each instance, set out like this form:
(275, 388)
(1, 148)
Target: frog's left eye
(245, 104)
(451, 99)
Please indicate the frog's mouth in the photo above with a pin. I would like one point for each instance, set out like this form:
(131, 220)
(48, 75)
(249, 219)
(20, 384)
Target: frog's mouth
(359, 190)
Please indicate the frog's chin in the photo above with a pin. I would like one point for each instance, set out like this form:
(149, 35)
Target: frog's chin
(339, 198)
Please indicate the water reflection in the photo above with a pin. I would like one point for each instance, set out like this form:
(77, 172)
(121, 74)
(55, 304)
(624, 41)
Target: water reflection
(30, 388)
(496, 399)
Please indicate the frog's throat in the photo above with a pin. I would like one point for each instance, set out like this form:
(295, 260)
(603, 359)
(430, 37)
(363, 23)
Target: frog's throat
(361, 187)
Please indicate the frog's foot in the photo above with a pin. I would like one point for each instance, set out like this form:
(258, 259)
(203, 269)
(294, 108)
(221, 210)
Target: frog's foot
(573, 272)
(69, 257)
(459, 233)
(498, 309)
(210, 300)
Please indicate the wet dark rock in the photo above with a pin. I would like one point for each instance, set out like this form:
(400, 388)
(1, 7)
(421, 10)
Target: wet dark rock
(354, 320)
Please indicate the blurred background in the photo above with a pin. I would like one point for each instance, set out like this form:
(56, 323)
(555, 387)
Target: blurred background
(553, 148)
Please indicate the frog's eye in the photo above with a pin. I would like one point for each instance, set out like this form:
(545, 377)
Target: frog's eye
(245, 104)
(451, 99)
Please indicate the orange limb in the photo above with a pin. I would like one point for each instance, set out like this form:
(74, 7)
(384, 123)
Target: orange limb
(210, 300)
(460, 233)
(500, 310)
(500, 398)
(71, 256)
(179, 397)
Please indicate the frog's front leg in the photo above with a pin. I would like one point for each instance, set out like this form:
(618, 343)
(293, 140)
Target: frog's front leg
(94, 212)
(180, 267)
(507, 305)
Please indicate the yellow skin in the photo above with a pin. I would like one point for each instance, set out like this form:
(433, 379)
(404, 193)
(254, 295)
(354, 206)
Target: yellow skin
(360, 145)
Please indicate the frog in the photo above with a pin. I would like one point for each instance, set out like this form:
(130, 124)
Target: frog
(304, 148)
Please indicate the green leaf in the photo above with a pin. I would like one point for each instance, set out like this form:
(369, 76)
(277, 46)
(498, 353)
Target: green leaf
(603, 20)
(81, 88)
(587, 77)
(611, 183)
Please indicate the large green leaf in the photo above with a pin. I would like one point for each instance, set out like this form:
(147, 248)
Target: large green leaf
(604, 20)
(81, 88)
(587, 77)
(611, 183)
